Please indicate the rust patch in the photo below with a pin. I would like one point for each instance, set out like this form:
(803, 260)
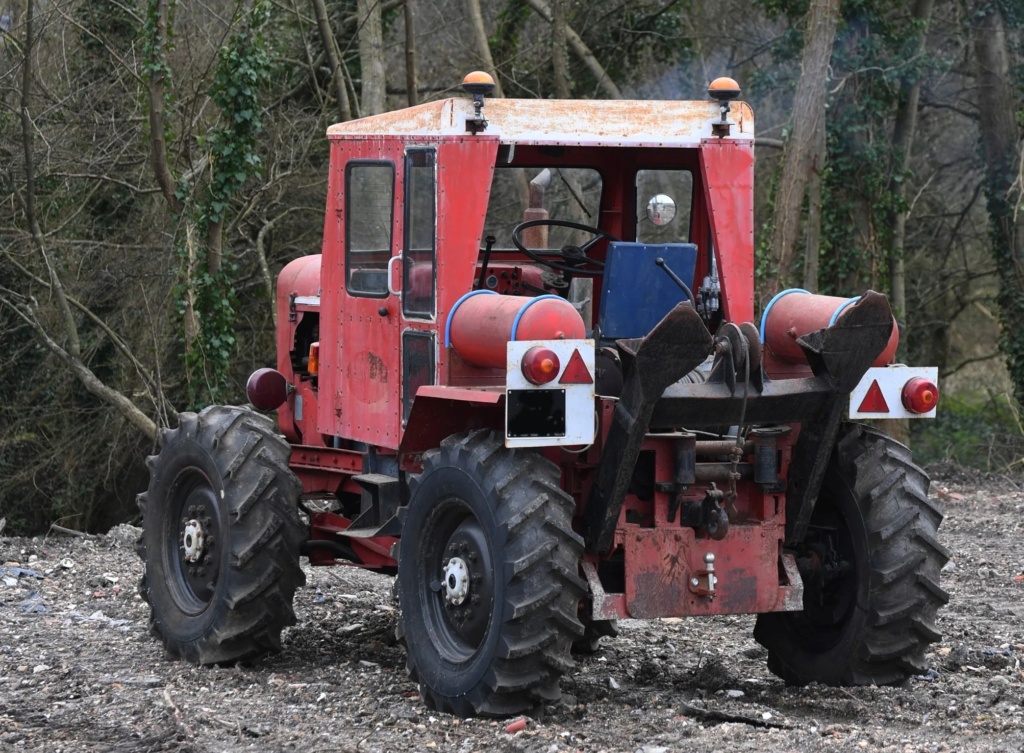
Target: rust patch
(378, 370)
(660, 563)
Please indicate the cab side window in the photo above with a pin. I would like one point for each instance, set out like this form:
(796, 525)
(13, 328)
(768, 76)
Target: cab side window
(369, 205)
(420, 230)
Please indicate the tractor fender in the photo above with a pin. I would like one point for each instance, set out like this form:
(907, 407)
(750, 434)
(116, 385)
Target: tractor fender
(439, 412)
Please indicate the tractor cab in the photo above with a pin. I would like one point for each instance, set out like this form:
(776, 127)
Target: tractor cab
(596, 217)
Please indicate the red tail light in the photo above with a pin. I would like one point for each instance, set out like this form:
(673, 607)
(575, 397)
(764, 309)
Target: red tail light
(540, 365)
(920, 395)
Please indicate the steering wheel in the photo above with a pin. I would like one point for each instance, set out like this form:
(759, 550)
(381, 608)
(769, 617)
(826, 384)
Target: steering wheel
(571, 259)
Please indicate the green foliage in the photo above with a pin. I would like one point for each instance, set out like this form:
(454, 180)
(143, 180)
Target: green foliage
(106, 24)
(872, 57)
(206, 299)
(624, 37)
(506, 40)
(972, 429)
(628, 34)
(154, 50)
(243, 65)
(1011, 295)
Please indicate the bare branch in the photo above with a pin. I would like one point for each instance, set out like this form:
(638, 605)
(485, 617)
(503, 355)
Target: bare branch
(334, 58)
(84, 374)
(106, 47)
(582, 51)
(29, 198)
(967, 362)
(410, 56)
(108, 179)
(261, 255)
(120, 344)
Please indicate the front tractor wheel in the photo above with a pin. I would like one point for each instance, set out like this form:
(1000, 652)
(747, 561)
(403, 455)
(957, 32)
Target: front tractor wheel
(488, 578)
(871, 563)
(220, 537)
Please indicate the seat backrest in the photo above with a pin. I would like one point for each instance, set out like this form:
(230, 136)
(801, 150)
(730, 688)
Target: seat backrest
(636, 293)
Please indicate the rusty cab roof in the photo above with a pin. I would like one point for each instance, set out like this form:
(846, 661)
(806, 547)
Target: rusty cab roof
(566, 122)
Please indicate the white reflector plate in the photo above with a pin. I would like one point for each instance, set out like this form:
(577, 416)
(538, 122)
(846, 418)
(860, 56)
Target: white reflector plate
(880, 392)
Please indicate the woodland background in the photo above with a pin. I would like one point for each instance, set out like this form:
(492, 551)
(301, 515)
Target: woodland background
(160, 161)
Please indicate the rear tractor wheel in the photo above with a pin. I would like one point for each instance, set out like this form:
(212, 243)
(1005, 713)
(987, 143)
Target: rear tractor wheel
(488, 578)
(871, 563)
(220, 537)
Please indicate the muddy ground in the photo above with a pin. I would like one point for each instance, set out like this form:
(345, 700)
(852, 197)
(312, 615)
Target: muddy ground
(79, 672)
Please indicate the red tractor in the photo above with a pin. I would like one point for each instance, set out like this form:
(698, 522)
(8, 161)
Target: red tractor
(523, 375)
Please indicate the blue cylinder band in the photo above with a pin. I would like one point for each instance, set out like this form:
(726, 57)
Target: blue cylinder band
(451, 314)
(530, 302)
(768, 308)
(841, 309)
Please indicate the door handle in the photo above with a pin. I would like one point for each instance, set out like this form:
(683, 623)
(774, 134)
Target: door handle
(391, 287)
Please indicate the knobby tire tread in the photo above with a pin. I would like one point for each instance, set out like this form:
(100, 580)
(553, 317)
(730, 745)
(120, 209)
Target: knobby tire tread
(539, 622)
(905, 560)
(264, 531)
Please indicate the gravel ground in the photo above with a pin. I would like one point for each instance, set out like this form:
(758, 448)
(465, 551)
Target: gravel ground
(79, 672)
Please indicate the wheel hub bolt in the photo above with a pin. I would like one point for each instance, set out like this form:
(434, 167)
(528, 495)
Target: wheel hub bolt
(456, 581)
(192, 541)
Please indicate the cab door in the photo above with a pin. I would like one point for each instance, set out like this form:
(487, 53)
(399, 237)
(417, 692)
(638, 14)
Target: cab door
(386, 339)
(367, 400)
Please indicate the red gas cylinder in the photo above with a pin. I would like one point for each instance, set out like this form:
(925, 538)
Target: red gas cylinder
(794, 313)
(481, 323)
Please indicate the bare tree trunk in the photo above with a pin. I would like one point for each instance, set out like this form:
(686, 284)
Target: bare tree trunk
(1001, 148)
(333, 58)
(582, 51)
(410, 56)
(800, 156)
(903, 141)
(903, 134)
(214, 247)
(371, 58)
(158, 143)
(812, 252)
(483, 47)
(559, 61)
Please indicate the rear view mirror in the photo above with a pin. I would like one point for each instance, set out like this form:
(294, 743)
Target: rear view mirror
(661, 209)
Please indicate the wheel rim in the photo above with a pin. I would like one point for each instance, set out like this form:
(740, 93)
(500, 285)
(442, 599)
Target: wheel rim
(192, 551)
(456, 581)
(829, 605)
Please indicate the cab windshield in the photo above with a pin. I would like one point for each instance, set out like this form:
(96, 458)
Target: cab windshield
(572, 194)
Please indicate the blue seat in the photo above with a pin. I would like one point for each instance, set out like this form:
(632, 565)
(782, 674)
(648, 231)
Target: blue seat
(636, 293)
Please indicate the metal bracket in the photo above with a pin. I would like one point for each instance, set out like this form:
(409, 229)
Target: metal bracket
(710, 578)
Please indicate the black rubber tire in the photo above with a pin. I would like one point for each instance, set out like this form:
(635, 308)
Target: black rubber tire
(872, 625)
(503, 654)
(228, 469)
(593, 632)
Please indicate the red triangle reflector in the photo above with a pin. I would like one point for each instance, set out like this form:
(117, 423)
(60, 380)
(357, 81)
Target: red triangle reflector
(874, 400)
(576, 372)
